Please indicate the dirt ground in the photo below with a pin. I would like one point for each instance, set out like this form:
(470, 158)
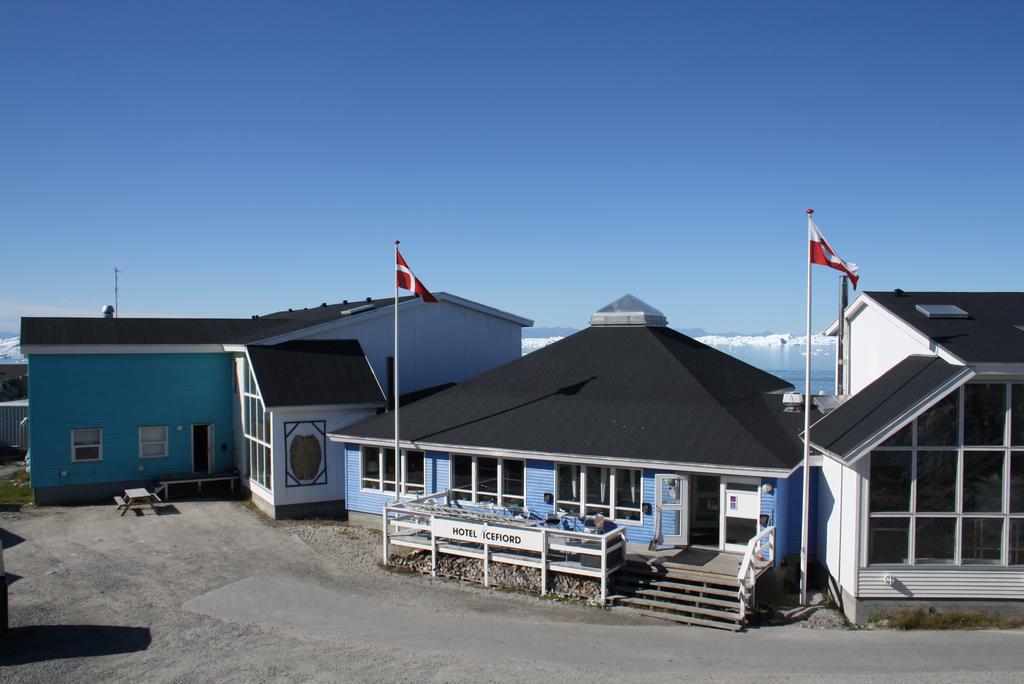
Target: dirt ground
(213, 590)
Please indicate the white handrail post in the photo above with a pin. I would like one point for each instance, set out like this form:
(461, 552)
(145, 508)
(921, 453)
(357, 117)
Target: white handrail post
(433, 549)
(543, 562)
(604, 569)
(385, 517)
(487, 560)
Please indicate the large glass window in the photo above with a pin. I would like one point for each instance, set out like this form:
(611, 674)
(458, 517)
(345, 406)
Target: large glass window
(935, 540)
(488, 480)
(938, 426)
(256, 429)
(984, 414)
(889, 540)
(936, 481)
(983, 481)
(890, 481)
(934, 500)
(376, 461)
(612, 492)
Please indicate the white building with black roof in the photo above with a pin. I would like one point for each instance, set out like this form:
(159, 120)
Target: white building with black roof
(921, 498)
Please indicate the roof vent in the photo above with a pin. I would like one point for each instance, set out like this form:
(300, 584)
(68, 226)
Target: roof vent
(793, 401)
(323, 305)
(107, 311)
(941, 311)
(344, 301)
(628, 310)
(369, 299)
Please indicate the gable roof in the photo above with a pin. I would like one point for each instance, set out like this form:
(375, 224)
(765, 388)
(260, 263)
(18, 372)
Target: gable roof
(314, 372)
(989, 334)
(203, 331)
(887, 404)
(630, 392)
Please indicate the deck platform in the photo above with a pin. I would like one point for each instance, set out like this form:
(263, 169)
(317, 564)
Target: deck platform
(688, 559)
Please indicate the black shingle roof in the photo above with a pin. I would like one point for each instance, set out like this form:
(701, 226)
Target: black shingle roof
(75, 331)
(847, 429)
(643, 393)
(989, 334)
(314, 372)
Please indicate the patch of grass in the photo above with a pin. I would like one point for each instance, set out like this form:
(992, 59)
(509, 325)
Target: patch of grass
(918, 618)
(16, 490)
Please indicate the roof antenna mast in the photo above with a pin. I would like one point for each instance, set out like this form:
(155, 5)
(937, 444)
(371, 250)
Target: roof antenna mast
(117, 309)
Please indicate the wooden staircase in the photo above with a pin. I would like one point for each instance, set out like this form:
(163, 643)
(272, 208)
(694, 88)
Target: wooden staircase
(675, 592)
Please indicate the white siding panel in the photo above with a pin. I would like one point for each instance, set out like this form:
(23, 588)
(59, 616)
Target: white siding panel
(877, 343)
(441, 343)
(976, 583)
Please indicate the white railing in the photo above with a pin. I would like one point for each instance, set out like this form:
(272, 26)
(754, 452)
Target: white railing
(414, 524)
(760, 554)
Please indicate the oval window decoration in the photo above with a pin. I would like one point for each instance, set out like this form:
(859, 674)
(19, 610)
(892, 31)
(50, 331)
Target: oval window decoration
(306, 455)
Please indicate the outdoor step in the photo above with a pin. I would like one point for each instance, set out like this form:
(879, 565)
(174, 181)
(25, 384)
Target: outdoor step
(682, 579)
(647, 581)
(726, 620)
(734, 604)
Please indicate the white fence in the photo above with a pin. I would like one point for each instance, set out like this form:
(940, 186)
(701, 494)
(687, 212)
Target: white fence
(435, 523)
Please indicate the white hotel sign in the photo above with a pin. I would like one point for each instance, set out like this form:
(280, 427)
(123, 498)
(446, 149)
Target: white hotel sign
(511, 537)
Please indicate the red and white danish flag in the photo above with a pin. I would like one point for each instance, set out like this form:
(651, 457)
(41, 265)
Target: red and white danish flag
(823, 254)
(407, 281)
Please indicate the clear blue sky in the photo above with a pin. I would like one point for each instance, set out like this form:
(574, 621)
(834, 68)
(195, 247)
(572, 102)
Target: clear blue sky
(541, 157)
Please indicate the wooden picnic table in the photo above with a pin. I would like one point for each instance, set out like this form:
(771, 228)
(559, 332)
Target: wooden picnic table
(135, 497)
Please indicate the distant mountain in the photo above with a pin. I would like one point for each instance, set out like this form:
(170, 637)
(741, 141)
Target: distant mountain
(533, 333)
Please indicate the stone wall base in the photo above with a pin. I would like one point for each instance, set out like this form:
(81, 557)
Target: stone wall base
(861, 611)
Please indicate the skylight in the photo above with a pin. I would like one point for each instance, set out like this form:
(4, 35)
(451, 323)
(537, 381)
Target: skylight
(941, 311)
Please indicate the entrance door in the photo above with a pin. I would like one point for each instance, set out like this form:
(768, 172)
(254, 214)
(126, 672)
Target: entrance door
(202, 448)
(742, 506)
(706, 511)
(670, 506)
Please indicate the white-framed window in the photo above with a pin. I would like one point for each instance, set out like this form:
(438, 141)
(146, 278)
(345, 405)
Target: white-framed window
(377, 471)
(488, 480)
(86, 445)
(256, 428)
(615, 493)
(153, 441)
(948, 489)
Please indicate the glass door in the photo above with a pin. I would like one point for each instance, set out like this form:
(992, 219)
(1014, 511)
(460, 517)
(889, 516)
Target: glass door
(670, 507)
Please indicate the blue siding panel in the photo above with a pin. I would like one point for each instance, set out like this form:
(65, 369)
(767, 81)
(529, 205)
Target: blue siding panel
(435, 465)
(793, 515)
(119, 393)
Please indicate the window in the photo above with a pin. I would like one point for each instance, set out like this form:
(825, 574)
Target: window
(86, 445)
(615, 493)
(376, 461)
(256, 429)
(153, 441)
(948, 489)
(487, 480)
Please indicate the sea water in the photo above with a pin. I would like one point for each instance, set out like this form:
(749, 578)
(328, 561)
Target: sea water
(787, 362)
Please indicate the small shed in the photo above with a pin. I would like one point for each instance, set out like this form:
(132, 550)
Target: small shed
(14, 424)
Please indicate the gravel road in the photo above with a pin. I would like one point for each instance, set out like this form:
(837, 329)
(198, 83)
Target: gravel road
(212, 590)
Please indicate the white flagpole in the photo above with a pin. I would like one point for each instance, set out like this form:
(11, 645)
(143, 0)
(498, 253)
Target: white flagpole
(398, 452)
(805, 512)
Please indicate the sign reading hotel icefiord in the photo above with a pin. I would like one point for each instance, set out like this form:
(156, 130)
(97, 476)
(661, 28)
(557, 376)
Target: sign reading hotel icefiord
(527, 540)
